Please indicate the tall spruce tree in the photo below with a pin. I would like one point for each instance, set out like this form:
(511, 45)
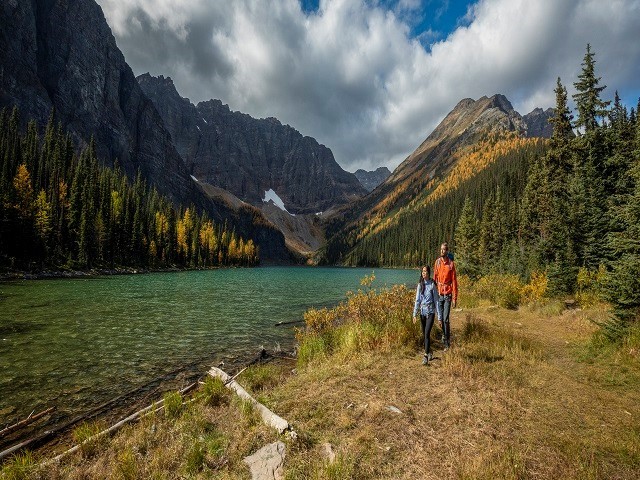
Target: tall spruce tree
(587, 97)
(590, 167)
(559, 163)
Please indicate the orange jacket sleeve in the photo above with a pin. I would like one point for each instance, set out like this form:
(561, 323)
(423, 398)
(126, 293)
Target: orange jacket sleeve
(454, 282)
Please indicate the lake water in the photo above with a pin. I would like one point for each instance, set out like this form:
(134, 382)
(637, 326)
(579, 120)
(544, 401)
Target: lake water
(77, 343)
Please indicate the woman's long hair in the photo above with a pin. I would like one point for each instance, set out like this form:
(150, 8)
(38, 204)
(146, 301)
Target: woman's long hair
(421, 281)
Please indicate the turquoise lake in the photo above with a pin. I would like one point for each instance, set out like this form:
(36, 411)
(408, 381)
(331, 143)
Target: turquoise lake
(77, 343)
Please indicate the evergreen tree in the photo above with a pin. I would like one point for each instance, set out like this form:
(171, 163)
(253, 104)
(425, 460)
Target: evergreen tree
(590, 165)
(467, 241)
(587, 97)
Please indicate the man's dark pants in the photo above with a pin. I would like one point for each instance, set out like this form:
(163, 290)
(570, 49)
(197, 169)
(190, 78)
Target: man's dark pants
(444, 307)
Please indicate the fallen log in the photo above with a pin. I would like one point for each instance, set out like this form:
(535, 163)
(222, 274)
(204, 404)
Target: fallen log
(26, 421)
(268, 417)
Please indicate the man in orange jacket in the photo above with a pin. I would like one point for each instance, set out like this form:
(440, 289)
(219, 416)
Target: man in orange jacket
(444, 274)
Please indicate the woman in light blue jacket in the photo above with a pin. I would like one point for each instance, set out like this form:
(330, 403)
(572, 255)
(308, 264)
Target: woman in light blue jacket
(426, 298)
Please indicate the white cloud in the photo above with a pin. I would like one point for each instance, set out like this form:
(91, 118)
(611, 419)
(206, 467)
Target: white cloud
(350, 74)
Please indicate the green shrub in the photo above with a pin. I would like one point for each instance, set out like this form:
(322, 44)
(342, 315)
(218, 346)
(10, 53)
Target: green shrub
(195, 458)
(504, 290)
(259, 377)
(509, 297)
(248, 411)
(20, 466)
(172, 404)
(312, 347)
(85, 436)
(214, 392)
(589, 286)
(126, 466)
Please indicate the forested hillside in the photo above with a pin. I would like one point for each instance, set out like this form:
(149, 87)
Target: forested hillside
(62, 210)
(568, 207)
(412, 234)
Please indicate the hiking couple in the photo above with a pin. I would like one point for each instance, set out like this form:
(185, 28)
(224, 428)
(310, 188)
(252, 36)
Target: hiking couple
(436, 295)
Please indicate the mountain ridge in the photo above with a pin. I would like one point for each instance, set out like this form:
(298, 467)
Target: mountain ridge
(249, 156)
(371, 179)
(470, 122)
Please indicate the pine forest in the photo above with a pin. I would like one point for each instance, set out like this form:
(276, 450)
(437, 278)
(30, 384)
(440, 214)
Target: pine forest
(63, 210)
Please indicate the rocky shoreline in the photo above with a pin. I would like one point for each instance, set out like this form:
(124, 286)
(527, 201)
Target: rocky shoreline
(94, 272)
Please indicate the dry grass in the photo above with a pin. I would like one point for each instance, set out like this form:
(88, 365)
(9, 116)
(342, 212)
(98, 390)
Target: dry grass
(528, 393)
(205, 438)
(512, 399)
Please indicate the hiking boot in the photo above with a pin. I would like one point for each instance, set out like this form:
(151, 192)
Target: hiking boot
(430, 356)
(425, 360)
(446, 347)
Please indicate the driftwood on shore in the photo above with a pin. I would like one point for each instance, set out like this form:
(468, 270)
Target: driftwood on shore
(268, 417)
(117, 426)
(23, 423)
(45, 436)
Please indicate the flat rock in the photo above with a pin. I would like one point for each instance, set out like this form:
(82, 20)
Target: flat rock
(266, 463)
(326, 449)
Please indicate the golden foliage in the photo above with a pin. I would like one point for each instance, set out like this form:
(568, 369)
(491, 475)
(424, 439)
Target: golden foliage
(24, 192)
(366, 320)
(43, 215)
(536, 288)
(471, 160)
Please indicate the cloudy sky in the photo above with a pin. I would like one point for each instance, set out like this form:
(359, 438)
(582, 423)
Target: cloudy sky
(371, 79)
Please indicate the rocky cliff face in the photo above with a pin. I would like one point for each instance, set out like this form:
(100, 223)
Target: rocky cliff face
(370, 180)
(61, 54)
(537, 122)
(249, 156)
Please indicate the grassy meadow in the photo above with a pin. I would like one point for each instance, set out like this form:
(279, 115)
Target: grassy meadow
(529, 389)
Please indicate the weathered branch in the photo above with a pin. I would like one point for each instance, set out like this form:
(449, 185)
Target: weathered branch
(268, 417)
(134, 416)
(26, 421)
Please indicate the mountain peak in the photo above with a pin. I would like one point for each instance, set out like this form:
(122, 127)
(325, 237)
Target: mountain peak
(501, 102)
(371, 179)
(537, 122)
(160, 83)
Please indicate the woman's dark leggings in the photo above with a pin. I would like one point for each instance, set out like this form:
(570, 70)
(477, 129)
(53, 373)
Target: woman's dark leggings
(427, 323)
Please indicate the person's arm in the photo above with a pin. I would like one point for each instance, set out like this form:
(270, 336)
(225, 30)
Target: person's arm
(417, 303)
(454, 284)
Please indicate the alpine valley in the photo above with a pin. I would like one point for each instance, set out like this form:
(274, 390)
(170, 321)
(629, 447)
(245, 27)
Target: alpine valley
(260, 179)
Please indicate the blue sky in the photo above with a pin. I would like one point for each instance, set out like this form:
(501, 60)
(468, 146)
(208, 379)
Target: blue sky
(431, 19)
(371, 79)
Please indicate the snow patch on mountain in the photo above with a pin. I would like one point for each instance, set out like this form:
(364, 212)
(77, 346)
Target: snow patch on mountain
(271, 196)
